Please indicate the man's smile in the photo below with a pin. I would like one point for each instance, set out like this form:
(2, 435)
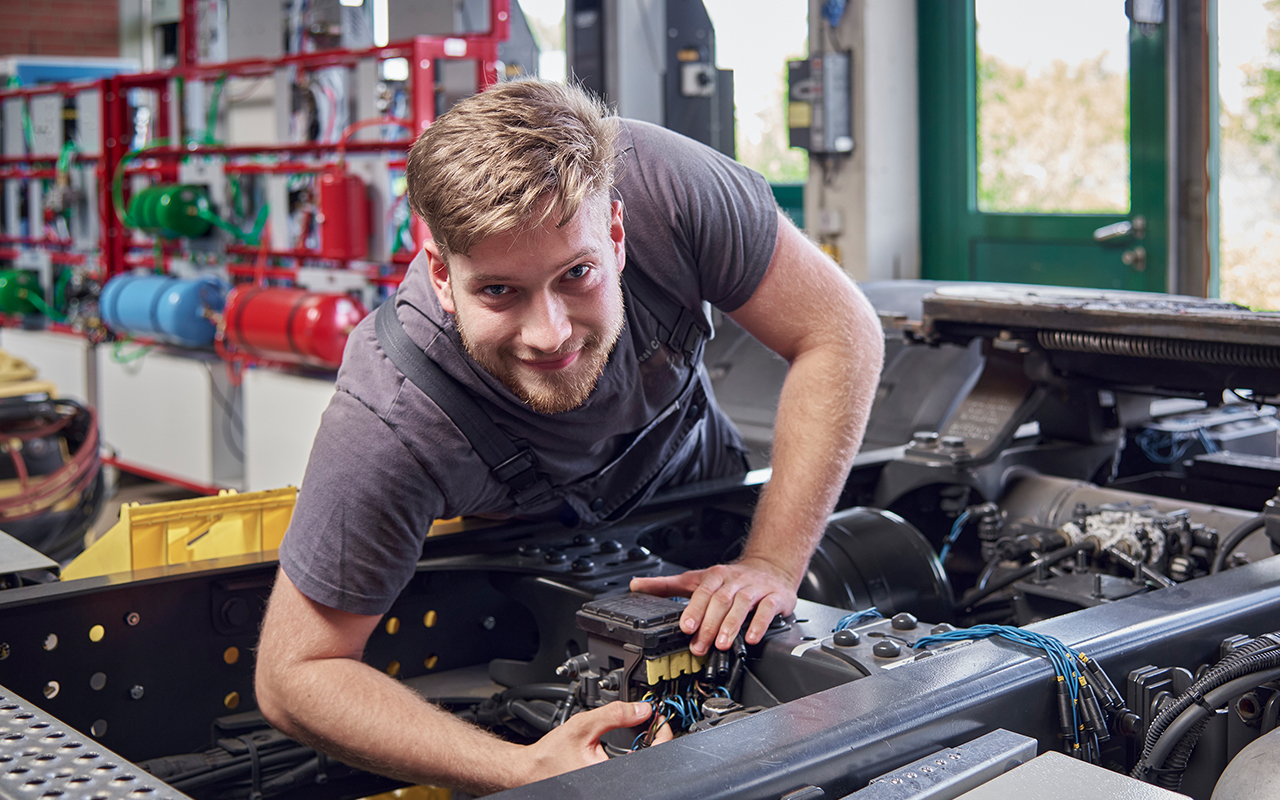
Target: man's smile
(551, 364)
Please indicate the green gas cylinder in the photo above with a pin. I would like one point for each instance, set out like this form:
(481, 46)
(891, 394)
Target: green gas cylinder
(170, 210)
(15, 287)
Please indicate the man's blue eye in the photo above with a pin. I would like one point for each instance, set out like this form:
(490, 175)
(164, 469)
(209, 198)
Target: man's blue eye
(578, 271)
(496, 290)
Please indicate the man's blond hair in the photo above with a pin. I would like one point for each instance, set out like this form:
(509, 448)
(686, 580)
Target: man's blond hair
(509, 158)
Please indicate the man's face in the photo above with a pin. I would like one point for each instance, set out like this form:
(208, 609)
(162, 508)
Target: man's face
(541, 309)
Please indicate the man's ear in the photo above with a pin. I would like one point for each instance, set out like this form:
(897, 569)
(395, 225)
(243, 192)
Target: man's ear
(439, 272)
(616, 233)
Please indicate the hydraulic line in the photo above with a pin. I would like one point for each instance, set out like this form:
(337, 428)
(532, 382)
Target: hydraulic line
(1250, 657)
(1188, 719)
(1234, 540)
(1022, 572)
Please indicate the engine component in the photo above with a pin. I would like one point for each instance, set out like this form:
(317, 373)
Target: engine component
(869, 557)
(170, 211)
(173, 310)
(290, 325)
(1173, 726)
(636, 651)
(16, 287)
(344, 216)
(1254, 773)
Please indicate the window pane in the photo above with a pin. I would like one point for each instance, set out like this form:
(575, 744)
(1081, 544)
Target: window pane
(1249, 170)
(1053, 106)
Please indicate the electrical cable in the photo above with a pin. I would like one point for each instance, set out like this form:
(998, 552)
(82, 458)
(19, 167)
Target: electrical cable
(857, 618)
(1183, 723)
(956, 530)
(1054, 557)
(1082, 722)
(1249, 657)
(1234, 539)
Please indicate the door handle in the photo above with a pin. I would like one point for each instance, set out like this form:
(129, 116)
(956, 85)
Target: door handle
(1122, 229)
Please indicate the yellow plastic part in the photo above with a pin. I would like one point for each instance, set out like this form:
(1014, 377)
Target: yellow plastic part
(669, 667)
(184, 531)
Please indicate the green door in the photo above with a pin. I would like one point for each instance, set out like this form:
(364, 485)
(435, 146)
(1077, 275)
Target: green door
(1043, 165)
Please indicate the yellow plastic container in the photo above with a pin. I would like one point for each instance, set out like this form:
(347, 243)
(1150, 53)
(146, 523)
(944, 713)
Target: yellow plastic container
(184, 531)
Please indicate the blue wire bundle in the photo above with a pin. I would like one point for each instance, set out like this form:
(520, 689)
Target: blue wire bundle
(1166, 447)
(956, 529)
(857, 618)
(1068, 664)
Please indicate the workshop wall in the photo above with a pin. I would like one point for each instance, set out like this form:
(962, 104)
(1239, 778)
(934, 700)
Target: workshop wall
(60, 27)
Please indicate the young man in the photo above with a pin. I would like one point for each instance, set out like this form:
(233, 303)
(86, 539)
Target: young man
(523, 298)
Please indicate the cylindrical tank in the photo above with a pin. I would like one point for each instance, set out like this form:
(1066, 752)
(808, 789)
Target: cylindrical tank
(174, 310)
(169, 210)
(344, 216)
(869, 557)
(1254, 773)
(15, 284)
(290, 325)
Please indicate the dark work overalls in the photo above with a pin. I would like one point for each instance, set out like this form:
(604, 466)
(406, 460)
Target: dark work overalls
(654, 456)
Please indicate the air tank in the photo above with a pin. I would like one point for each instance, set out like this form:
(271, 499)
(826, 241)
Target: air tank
(290, 325)
(343, 202)
(173, 310)
(15, 286)
(169, 210)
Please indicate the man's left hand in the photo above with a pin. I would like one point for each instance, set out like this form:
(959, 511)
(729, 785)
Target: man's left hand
(721, 597)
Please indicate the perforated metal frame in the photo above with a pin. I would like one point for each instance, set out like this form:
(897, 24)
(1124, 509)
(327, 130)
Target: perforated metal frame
(41, 757)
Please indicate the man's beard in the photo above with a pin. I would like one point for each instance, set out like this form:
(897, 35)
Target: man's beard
(555, 391)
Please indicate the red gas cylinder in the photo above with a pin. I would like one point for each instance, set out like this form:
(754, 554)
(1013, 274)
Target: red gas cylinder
(291, 325)
(344, 215)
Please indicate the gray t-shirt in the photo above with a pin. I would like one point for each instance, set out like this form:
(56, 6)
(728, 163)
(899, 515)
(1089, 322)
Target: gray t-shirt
(387, 462)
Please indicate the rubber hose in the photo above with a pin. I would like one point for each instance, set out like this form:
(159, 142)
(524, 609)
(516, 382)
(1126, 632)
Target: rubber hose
(1228, 545)
(1175, 766)
(1022, 572)
(1187, 719)
(1224, 670)
(534, 716)
(537, 691)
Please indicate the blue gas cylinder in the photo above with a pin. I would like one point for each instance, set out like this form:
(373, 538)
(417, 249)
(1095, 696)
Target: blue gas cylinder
(173, 310)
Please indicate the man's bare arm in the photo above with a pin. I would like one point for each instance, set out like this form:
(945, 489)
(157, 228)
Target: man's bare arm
(809, 312)
(311, 684)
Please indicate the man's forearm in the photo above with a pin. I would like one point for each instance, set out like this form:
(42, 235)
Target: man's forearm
(364, 718)
(822, 416)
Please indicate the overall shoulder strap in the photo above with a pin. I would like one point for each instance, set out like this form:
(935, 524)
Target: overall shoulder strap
(514, 466)
(678, 326)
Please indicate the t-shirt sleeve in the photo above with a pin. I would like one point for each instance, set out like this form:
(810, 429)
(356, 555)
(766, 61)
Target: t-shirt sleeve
(363, 510)
(689, 207)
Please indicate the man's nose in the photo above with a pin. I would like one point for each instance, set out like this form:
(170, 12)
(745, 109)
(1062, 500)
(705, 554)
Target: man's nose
(546, 327)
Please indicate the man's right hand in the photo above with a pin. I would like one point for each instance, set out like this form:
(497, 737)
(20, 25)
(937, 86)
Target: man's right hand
(312, 686)
(576, 743)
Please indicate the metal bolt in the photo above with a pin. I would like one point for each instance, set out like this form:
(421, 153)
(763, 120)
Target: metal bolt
(924, 438)
(489, 623)
(132, 619)
(951, 442)
(136, 692)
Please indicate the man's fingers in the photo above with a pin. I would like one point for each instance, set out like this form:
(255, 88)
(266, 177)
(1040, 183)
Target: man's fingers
(681, 585)
(617, 714)
(733, 619)
(665, 734)
(768, 608)
(705, 610)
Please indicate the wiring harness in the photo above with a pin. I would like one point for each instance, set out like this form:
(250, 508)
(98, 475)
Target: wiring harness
(1176, 728)
(1086, 696)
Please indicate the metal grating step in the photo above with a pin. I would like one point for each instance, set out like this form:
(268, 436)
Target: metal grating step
(41, 757)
